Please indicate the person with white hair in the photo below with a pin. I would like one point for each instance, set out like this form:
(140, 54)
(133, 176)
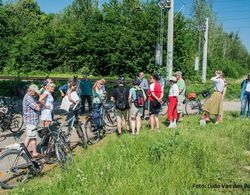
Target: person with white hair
(31, 111)
(172, 102)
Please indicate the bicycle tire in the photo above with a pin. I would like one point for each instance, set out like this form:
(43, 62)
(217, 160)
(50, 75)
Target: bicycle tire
(16, 122)
(109, 118)
(10, 175)
(82, 136)
(193, 107)
(91, 131)
(63, 153)
(49, 151)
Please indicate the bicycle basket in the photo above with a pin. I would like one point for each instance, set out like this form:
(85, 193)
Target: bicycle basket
(192, 96)
(205, 93)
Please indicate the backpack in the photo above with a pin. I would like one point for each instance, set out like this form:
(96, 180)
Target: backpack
(139, 100)
(121, 101)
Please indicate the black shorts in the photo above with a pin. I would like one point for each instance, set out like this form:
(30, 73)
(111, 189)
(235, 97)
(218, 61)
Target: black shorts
(154, 107)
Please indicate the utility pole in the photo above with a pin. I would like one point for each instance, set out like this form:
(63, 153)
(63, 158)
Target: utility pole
(169, 66)
(204, 63)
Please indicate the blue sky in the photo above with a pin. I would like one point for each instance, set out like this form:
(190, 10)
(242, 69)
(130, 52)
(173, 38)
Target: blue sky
(234, 15)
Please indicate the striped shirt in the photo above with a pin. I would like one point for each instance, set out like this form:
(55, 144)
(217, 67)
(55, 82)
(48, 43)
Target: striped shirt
(30, 115)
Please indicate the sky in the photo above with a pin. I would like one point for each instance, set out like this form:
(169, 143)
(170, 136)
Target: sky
(234, 15)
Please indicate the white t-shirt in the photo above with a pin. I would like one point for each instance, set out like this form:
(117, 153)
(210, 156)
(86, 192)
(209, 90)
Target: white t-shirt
(152, 87)
(248, 87)
(218, 84)
(174, 90)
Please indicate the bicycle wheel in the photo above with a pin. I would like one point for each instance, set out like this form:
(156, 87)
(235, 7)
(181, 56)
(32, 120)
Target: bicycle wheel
(91, 131)
(63, 153)
(16, 122)
(14, 168)
(48, 149)
(193, 107)
(82, 136)
(109, 118)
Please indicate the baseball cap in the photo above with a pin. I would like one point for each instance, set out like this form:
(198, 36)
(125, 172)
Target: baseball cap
(172, 78)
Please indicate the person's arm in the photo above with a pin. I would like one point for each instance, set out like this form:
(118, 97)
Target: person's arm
(42, 100)
(33, 105)
(63, 89)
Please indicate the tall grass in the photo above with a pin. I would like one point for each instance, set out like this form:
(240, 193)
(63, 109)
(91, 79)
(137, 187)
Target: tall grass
(173, 161)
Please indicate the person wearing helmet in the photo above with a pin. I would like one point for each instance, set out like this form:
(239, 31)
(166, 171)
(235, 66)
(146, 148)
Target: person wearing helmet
(137, 98)
(173, 100)
(120, 98)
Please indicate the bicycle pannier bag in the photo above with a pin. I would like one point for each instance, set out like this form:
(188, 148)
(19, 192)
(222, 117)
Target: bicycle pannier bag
(96, 117)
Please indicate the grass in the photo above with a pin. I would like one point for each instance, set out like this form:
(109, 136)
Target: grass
(174, 161)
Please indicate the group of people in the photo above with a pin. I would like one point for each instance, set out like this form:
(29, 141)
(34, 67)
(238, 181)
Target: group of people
(132, 104)
(147, 98)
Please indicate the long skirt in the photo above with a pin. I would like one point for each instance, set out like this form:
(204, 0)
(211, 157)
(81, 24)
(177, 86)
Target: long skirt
(214, 105)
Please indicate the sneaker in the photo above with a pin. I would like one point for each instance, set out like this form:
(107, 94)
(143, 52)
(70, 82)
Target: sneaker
(171, 125)
(202, 122)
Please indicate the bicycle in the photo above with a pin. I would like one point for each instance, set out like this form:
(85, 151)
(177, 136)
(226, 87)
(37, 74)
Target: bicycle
(10, 118)
(106, 122)
(17, 165)
(74, 123)
(193, 104)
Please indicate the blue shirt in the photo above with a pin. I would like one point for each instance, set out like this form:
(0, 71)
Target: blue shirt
(64, 88)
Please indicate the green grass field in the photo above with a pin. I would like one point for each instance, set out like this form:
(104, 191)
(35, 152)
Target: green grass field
(191, 159)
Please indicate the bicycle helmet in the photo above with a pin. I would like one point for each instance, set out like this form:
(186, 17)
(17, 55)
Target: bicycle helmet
(136, 81)
(121, 80)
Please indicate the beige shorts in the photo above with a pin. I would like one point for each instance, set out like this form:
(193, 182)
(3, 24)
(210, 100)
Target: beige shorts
(135, 112)
(31, 134)
(180, 107)
(122, 116)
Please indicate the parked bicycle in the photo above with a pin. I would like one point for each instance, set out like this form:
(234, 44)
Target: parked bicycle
(100, 121)
(17, 164)
(10, 118)
(73, 123)
(194, 104)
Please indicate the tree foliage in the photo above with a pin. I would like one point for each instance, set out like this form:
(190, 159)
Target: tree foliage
(120, 38)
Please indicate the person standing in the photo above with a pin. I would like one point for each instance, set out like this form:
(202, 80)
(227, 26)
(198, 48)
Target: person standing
(86, 92)
(47, 100)
(144, 85)
(245, 97)
(173, 101)
(155, 96)
(31, 111)
(137, 98)
(120, 98)
(181, 97)
(214, 105)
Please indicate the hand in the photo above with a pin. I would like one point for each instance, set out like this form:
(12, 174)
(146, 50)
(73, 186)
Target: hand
(38, 107)
(47, 106)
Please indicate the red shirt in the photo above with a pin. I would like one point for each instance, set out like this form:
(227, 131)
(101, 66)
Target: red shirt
(156, 88)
